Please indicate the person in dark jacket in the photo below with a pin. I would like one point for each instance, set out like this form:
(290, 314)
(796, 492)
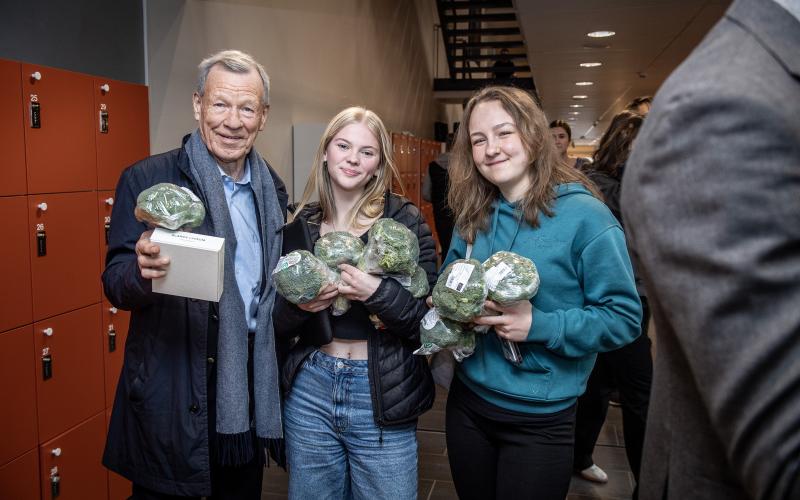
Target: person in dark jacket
(199, 394)
(353, 394)
(434, 190)
(630, 368)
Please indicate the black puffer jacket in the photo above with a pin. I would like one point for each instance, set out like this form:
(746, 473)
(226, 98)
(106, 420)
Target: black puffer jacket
(400, 382)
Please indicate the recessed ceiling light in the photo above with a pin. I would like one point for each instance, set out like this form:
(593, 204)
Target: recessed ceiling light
(571, 118)
(574, 112)
(601, 34)
(584, 84)
(580, 97)
(576, 105)
(590, 65)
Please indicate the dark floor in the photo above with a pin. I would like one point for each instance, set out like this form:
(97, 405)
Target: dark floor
(434, 472)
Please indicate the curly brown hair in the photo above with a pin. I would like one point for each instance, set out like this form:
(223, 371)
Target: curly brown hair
(471, 196)
(615, 146)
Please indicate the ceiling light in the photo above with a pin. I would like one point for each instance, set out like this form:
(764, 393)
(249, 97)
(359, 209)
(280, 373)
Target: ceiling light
(580, 97)
(574, 112)
(601, 34)
(576, 105)
(590, 65)
(571, 118)
(584, 84)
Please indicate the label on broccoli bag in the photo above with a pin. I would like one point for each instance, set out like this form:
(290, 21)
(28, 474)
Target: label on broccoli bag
(496, 274)
(286, 262)
(459, 276)
(430, 319)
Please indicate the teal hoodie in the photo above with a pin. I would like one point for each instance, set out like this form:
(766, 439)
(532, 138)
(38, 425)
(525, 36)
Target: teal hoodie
(587, 302)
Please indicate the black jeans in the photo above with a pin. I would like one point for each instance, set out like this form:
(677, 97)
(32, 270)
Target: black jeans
(503, 454)
(630, 370)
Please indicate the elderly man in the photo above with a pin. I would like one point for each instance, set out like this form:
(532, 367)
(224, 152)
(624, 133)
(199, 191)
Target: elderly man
(711, 200)
(198, 394)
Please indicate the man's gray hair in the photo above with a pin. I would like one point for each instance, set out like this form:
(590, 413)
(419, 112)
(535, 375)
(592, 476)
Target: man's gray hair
(237, 62)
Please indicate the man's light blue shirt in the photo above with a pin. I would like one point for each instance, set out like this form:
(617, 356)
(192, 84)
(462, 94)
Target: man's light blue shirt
(248, 258)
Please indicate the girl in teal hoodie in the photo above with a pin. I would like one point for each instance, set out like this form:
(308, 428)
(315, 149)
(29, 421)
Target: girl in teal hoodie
(510, 427)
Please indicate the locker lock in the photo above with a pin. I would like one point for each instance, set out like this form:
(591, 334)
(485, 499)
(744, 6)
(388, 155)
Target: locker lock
(36, 76)
(56, 452)
(109, 201)
(41, 240)
(42, 206)
(105, 88)
(48, 332)
(112, 338)
(55, 483)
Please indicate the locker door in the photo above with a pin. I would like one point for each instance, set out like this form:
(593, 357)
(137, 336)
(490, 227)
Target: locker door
(113, 332)
(105, 202)
(15, 263)
(74, 458)
(121, 128)
(19, 480)
(69, 262)
(119, 488)
(11, 129)
(18, 393)
(73, 389)
(60, 153)
(413, 169)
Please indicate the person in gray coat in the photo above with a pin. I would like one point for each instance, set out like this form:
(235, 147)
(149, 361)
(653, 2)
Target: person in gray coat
(711, 200)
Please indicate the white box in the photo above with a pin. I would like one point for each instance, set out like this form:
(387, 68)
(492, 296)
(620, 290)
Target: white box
(197, 264)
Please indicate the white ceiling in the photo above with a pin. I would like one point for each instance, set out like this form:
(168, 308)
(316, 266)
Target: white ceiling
(652, 38)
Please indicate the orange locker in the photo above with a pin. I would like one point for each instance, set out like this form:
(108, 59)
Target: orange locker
(11, 129)
(15, 263)
(69, 378)
(18, 393)
(58, 124)
(19, 480)
(105, 202)
(72, 461)
(113, 332)
(64, 251)
(121, 128)
(119, 488)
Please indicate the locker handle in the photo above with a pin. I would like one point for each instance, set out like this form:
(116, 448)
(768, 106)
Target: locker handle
(42, 206)
(112, 310)
(36, 76)
(48, 332)
(105, 88)
(56, 452)
(109, 201)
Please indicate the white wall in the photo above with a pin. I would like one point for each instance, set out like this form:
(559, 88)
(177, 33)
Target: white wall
(321, 55)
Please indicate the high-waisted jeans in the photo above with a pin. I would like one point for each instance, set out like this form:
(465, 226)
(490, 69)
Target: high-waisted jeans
(333, 446)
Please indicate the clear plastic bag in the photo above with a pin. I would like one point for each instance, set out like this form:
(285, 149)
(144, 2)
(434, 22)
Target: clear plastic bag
(460, 290)
(392, 249)
(510, 277)
(438, 333)
(299, 276)
(169, 206)
(417, 283)
(334, 248)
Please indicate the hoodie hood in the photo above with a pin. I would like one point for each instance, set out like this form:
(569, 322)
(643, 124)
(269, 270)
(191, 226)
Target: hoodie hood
(571, 188)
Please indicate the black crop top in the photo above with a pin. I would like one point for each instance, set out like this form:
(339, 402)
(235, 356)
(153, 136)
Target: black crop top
(355, 323)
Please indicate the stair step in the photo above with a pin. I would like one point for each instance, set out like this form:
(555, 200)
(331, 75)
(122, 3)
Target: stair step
(449, 84)
(484, 45)
(477, 4)
(488, 57)
(464, 18)
(484, 31)
(489, 69)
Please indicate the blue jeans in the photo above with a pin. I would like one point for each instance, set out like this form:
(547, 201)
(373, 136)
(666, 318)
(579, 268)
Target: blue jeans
(333, 446)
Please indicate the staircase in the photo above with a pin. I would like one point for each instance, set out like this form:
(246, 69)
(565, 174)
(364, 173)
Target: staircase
(474, 33)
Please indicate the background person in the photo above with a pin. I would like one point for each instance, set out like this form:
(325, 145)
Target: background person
(562, 134)
(510, 428)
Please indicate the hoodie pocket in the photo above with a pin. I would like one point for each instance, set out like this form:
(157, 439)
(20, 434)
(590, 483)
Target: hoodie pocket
(539, 387)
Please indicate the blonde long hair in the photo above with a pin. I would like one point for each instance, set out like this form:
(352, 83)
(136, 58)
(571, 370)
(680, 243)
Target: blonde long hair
(370, 204)
(471, 196)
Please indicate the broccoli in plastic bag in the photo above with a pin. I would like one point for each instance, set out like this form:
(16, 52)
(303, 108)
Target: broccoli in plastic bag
(510, 277)
(299, 276)
(169, 206)
(334, 248)
(417, 284)
(460, 290)
(437, 333)
(392, 249)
